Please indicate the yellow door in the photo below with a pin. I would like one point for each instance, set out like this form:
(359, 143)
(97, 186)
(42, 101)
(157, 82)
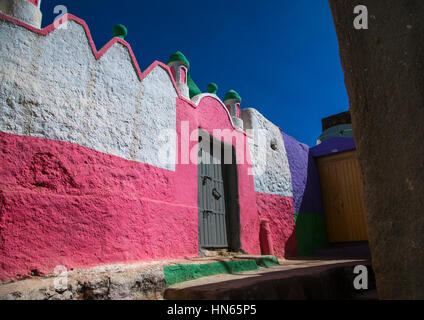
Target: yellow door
(342, 197)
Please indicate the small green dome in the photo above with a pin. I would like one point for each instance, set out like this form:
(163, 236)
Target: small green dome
(178, 56)
(120, 31)
(232, 95)
(212, 88)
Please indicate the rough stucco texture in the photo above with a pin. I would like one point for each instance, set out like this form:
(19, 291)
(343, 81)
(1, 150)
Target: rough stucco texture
(278, 211)
(304, 177)
(270, 167)
(66, 94)
(272, 181)
(81, 179)
(62, 204)
(24, 10)
(307, 200)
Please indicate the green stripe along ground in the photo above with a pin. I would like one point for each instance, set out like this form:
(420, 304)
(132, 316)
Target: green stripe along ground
(185, 272)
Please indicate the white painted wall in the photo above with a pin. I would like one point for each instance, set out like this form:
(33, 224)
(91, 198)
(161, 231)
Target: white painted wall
(53, 87)
(22, 10)
(270, 167)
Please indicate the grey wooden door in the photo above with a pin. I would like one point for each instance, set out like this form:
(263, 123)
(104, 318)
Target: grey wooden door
(211, 202)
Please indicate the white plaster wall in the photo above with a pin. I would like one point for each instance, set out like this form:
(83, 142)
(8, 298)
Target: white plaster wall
(53, 87)
(270, 167)
(22, 10)
(238, 123)
(182, 87)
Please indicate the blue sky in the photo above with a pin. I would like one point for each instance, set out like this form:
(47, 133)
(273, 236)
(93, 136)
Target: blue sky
(281, 56)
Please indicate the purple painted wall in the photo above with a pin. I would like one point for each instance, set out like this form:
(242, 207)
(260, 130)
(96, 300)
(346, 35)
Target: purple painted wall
(305, 177)
(333, 146)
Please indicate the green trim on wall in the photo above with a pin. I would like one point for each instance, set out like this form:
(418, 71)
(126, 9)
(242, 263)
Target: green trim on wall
(180, 57)
(212, 88)
(310, 233)
(186, 272)
(232, 95)
(192, 87)
(120, 31)
(268, 261)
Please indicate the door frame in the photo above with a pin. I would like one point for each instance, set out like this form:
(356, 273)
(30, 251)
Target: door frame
(231, 194)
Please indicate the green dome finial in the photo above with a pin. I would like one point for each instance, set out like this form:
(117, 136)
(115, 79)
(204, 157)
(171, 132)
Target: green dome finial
(120, 31)
(232, 95)
(212, 88)
(178, 56)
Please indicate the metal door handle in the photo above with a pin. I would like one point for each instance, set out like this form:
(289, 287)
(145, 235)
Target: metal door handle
(216, 194)
(205, 178)
(207, 212)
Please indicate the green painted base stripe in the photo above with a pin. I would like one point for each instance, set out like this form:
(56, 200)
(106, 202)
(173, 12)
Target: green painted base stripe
(268, 261)
(310, 233)
(186, 272)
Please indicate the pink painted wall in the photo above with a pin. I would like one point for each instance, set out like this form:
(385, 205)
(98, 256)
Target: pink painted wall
(212, 115)
(278, 210)
(183, 75)
(34, 2)
(63, 204)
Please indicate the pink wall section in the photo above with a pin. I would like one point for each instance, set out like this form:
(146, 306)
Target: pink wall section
(209, 115)
(183, 75)
(278, 210)
(34, 2)
(64, 204)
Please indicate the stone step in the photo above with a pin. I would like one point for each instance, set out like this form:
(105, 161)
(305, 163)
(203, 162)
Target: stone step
(186, 272)
(314, 280)
(262, 261)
